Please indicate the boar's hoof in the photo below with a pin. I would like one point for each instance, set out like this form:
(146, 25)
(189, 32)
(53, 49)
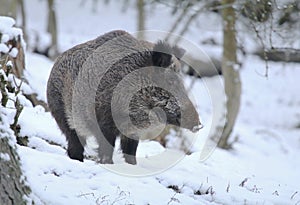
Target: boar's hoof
(105, 160)
(130, 159)
(75, 155)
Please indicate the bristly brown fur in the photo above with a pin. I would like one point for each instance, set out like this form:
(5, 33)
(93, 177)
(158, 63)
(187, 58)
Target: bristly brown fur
(77, 128)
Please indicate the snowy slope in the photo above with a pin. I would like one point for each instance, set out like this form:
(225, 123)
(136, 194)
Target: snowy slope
(263, 167)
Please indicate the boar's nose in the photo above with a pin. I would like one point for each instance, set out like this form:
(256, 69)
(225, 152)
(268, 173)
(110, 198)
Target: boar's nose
(197, 128)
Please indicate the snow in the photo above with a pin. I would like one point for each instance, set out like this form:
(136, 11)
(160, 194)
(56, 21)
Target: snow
(6, 23)
(38, 123)
(38, 69)
(4, 38)
(6, 28)
(14, 52)
(9, 64)
(4, 156)
(4, 48)
(262, 168)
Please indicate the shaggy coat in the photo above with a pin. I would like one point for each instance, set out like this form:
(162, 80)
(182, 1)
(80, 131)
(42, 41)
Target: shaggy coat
(95, 87)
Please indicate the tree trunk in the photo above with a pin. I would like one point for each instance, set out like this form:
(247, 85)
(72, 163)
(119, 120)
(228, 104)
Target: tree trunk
(12, 188)
(19, 60)
(52, 29)
(18, 67)
(231, 75)
(23, 15)
(141, 17)
(8, 8)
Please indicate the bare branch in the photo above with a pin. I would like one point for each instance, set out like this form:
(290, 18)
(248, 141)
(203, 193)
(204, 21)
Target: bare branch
(264, 48)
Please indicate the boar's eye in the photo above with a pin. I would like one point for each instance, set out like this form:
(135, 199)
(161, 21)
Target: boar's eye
(174, 65)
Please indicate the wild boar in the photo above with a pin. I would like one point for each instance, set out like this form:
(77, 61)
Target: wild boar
(117, 85)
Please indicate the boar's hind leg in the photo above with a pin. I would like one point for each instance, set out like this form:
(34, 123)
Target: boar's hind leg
(106, 146)
(56, 105)
(75, 146)
(129, 146)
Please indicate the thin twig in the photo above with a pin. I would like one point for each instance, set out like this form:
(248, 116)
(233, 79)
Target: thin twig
(173, 197)
(294, 194)
(187, 24)
(271, 30)
(178, 20)
(228, 187)
(264, 48)
(242, 184)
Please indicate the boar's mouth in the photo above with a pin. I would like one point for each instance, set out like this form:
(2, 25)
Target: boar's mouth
(193, 128)
(197, 128)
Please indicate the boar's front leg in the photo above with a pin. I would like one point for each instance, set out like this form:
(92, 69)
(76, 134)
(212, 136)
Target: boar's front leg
(129, 146)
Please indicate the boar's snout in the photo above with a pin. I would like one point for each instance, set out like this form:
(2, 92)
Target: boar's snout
(190, 118)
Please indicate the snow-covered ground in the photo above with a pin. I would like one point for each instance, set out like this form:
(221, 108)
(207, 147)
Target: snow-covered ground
(262, 168)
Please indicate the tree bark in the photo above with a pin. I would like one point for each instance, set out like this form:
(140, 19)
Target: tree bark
(12, 188)
(52, 29)
(19, 60)
(230, 72)
(8, 8)
(23, 15)
(18, 67)
(140, 4)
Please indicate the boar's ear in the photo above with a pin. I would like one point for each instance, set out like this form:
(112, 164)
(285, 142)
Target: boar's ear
(162, 54)
(178, 52)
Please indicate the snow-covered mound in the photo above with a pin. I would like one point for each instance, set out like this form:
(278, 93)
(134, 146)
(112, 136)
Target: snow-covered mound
(261, 169)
